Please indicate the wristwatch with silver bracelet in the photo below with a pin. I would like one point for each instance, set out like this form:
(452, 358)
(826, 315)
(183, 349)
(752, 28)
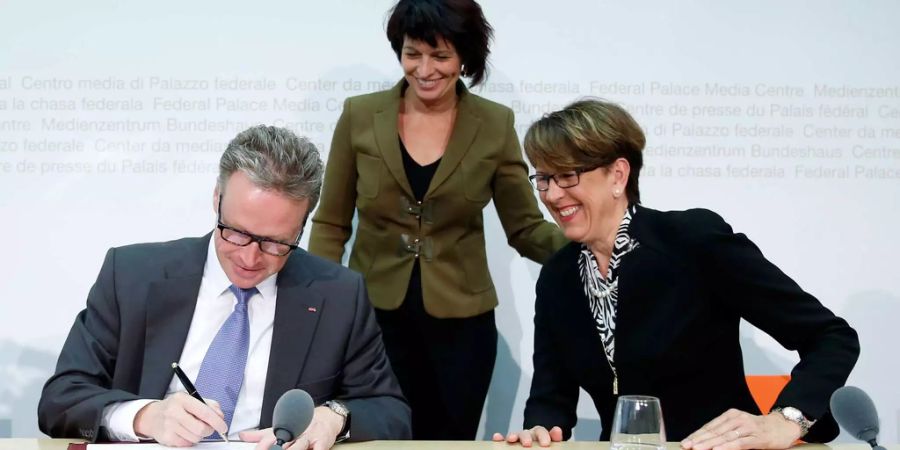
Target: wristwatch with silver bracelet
(340, 409)
(795, 415)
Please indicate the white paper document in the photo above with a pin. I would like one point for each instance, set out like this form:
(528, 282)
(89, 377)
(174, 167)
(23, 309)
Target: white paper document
(201, 446)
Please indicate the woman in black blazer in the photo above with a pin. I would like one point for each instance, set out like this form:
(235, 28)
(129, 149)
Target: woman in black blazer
(649, 302)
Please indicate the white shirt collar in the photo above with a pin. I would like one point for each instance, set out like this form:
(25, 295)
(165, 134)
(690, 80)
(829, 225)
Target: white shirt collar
(219, 282)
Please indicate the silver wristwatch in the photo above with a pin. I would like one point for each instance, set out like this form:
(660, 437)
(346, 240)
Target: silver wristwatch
(340, 409)
(796, 416)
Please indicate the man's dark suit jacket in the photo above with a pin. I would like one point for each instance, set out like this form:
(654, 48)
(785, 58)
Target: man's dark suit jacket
(325, 341)
(682, 294)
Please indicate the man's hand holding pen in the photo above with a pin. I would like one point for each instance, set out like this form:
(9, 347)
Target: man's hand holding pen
(180, 420)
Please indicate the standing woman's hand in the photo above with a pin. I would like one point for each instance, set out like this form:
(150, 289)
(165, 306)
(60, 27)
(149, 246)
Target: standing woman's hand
(527, 437)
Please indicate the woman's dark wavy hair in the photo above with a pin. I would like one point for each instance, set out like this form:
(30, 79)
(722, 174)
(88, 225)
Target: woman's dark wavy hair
(460, 22)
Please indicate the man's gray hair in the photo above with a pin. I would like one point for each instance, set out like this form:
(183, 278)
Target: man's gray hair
(274, 159)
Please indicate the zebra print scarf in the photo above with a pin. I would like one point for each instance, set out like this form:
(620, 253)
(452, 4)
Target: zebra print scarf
(604, 293)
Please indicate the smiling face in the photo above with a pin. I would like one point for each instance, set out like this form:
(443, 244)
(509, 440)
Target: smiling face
(431, 72)
(261, 212)
(591, 210)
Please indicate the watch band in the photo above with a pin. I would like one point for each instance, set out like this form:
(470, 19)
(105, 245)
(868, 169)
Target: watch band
(340, 409)
(795, 415)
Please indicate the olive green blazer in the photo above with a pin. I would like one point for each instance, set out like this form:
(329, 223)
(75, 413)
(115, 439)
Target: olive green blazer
(482, 161)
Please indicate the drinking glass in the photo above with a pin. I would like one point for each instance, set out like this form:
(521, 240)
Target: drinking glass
(638, 424)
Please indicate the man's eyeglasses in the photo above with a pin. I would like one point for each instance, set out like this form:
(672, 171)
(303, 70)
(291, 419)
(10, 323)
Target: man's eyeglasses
(243, 238)
(541, 181)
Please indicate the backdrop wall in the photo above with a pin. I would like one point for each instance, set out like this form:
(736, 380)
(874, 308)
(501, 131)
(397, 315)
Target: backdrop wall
(784, 117)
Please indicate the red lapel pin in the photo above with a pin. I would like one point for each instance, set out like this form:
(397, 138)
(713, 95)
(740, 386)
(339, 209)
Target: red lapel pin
(311, 309)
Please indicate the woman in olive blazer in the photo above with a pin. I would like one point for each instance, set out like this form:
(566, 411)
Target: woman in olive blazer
(365, 173)
(444, 231)
(420, 234)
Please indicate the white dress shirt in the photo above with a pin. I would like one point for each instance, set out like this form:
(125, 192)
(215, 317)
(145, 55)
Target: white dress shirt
(214, 304)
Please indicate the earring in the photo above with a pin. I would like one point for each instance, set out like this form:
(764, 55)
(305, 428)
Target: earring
(617, 193)
(462, 70)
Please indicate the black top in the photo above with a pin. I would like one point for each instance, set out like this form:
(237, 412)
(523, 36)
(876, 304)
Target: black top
(419, 179)
(682, 295)
(419, 176)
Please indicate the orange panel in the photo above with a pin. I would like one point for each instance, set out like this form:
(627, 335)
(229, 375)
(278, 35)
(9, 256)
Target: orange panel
(765, 389)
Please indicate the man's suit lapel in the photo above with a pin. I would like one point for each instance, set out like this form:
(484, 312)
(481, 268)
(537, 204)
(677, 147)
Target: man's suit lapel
(388, 139)
(170, 308)
(296, 318)
(464, 131)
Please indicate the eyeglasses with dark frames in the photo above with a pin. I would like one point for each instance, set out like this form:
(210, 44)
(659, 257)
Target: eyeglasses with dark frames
(565, 180)
(242, 238)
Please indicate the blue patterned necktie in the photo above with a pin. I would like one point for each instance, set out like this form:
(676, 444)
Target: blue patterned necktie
(222, 371)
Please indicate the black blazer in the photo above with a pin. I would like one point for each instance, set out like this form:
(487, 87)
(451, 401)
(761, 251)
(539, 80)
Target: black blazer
(121, 347)
(682, 294)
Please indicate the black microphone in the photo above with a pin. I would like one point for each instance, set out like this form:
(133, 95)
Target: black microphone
(856, 414)
(293, 413)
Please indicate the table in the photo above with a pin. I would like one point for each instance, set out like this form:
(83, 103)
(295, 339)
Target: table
(62, 444)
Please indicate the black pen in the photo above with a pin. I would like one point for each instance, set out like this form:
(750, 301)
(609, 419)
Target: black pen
(192, 391)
